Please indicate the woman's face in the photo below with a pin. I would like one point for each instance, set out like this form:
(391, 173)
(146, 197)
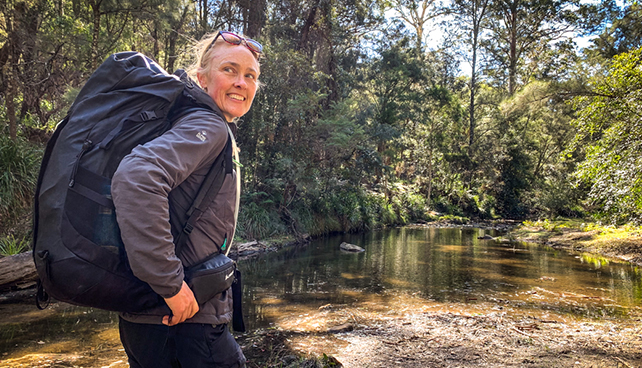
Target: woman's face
(232, 79)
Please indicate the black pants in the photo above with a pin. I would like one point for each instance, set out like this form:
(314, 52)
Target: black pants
(186, 345)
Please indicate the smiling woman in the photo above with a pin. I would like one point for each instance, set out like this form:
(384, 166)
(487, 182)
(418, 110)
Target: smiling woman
(162, 178)
(229, 74)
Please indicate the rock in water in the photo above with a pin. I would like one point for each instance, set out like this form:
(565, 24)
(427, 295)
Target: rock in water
(351, 247)
(346, 327)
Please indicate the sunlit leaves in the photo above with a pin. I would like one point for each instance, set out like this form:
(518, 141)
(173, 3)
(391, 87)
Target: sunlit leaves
(609, 123)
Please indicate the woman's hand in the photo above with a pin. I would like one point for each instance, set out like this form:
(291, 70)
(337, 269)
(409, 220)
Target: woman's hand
(183, 306)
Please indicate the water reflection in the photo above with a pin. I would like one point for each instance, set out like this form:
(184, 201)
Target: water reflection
(55, 336)
(402, 270)
(442, 265)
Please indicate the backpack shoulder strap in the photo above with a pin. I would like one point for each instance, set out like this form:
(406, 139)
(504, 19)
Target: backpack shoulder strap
(208, 190)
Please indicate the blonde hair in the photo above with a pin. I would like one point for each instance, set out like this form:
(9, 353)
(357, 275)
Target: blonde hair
(204, 50)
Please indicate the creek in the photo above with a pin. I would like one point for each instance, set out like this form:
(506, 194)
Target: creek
(443, 265)
(450, 268)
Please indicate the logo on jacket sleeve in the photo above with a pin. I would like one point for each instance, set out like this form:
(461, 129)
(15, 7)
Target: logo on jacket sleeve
(202, 135)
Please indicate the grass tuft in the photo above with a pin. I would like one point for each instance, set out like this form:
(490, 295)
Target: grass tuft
(10, 246)
(19, 163)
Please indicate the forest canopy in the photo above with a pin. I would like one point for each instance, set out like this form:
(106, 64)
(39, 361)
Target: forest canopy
(373, 112)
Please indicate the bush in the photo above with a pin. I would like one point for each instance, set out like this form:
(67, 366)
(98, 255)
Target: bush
(19, 166)
(259, 221)
(340, 209)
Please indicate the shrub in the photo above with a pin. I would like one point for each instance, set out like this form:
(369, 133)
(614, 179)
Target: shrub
(258, 221)
(19, 165)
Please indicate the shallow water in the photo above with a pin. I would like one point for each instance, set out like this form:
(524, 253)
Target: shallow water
(446, 266)
(446, 269)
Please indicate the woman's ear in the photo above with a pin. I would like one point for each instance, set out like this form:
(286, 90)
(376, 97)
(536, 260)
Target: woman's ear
(202, 81)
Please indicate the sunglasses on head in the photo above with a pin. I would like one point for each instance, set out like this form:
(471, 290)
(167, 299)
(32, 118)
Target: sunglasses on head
(234, 39)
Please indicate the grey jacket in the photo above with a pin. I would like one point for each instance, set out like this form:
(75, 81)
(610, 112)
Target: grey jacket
(163, 177)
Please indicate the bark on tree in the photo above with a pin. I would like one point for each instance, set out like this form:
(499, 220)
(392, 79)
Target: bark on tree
(511, 18)
(95, 9)
(10, 56)
(310, 21)
(255, 17)
(203, 13)
(478, 13)
(18, 269)
(26, 26)
(417, 14)
(173, 38)
(331, 62)
(11, 111)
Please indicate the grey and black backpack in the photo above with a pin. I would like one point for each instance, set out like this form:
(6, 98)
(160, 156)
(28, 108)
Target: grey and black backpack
(77, 249)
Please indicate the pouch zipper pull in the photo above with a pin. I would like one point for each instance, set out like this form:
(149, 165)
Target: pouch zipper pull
(86, 146)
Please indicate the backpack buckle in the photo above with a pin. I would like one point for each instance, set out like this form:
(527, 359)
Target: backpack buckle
(148, 115)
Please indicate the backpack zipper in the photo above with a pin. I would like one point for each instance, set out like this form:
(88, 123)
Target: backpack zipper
(86, 146)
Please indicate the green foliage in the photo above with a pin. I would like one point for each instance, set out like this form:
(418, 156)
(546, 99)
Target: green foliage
(357, 127)
(460, 220)
(608, 131)
(258, 218)
(10, 246)
(622, 30)
(19, 165)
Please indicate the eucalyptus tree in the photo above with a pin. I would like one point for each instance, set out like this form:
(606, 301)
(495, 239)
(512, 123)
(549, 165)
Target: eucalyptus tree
(42, 48)
(470, 16)
(304, 134)
(17, 55)
(518, 29)
(416, 14)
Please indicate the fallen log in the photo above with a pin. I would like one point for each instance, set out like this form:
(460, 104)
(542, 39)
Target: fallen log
(17, 270)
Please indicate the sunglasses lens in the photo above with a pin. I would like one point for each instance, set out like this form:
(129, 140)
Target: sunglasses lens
(253, 45)
(231, 38)
(235, 39)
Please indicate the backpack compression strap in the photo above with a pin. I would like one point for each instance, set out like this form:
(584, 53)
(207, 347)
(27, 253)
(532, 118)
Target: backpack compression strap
(42, 298)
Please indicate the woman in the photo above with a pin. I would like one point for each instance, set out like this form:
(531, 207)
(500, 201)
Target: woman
(147, 187)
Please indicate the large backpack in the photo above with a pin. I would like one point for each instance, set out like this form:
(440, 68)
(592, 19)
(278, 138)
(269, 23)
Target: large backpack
(77, 249)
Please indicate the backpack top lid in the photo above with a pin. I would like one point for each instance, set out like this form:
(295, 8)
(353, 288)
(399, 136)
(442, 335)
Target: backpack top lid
(127, 71)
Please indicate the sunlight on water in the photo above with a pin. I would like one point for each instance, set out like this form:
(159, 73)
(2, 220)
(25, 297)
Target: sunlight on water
(315, 288)
(440, 266)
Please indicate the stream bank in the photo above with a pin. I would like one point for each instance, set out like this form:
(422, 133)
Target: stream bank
(617, 243)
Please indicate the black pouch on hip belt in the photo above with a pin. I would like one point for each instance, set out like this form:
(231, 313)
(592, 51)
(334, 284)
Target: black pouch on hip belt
(210, 277)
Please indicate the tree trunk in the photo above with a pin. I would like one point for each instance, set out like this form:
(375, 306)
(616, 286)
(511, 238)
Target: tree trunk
(11, 110)
(203, 14)
(27, 23)
(18, 269)
(156, 48)
(95, 8)
(512, 66)
(305, 31)
(473, 91)
(172, 39)
(10, 52)
(255, 17)
(331, 61)
(430, 175)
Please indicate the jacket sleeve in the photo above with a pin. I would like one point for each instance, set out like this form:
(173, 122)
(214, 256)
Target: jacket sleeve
(140, 189)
